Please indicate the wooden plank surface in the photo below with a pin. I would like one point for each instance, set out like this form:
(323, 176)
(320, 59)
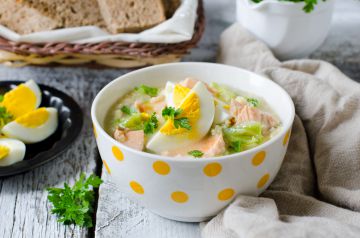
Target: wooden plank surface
(24, 210)
(118, 216)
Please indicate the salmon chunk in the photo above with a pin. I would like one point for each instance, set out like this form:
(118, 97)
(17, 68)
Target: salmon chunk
(190, 83)
(156, 104)
(133, 139)
(211, 146)
(244, 113)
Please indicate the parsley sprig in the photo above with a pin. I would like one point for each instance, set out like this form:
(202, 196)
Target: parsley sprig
(308, 7)
(5, 116)
(127, 110)
(173, 114)
(196, 153)
(74, 205)
(253, 102)
(151, 124)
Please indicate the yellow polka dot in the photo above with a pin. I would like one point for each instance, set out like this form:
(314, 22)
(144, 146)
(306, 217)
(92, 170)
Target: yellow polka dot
(179, 197)
(212, 169)
(264, 179)
(117, 153)
(136, 187)
(286, 137)
(161, 167)
(95, 133)
(106, 166)
(259, 158)
(226, 194)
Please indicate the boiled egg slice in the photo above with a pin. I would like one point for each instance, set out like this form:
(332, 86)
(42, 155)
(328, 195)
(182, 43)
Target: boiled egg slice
(11, 151)
(34, 126)
(23, 99)
(197, 105)
(174, 94)
(221, 112)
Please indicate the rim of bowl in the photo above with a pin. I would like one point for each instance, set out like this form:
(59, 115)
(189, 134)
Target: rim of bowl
(282, 133)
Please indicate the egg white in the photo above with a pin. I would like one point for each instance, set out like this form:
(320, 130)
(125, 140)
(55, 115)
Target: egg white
(169, 94)
(33, 135)
(36, 90)
(221, 114)
(161, 142)
(17, 151)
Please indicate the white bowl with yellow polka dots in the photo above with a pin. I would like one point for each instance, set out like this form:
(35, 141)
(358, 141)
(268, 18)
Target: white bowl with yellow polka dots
(189, 189)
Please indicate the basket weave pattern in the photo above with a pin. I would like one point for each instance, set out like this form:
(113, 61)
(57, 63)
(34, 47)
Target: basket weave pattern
(115, 54)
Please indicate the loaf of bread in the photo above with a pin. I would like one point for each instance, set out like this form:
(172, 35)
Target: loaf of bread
(171, 6)
(131, 15)
(71, 13)
(117, 16)
(24, 20)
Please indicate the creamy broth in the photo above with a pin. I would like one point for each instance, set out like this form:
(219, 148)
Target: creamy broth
(191, 119)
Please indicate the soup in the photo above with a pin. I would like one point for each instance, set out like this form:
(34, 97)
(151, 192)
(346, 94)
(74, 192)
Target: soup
(191, 119)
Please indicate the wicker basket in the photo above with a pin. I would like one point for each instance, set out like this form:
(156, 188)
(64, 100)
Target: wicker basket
(112, 54)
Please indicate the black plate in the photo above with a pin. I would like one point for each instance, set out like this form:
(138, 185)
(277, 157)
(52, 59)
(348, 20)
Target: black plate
(70, 123)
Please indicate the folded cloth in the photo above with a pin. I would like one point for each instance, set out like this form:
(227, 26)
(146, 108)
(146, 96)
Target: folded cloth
(317, 190)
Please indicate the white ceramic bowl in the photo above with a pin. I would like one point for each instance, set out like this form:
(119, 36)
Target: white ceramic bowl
(285, 27)
(188, 189)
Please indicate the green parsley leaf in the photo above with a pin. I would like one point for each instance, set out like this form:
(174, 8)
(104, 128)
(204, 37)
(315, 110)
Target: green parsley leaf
(74, 205)
(253, 101)
(151, 124)
(309, 4)
(127, 110)
(152, 92)
(171, 112)
(5, 117)
(183, 123)
(196, 153)
(1, 97)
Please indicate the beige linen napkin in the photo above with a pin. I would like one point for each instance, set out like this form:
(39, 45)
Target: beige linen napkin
(317, 191)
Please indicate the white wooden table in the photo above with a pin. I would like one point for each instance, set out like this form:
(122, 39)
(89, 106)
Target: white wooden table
(24, 210)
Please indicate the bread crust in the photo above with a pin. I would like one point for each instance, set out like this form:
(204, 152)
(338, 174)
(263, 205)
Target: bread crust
(131, 15)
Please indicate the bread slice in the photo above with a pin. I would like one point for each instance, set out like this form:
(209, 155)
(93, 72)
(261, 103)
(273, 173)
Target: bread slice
(131, 15)
(171, 6)
(71, 13)
(24, 20)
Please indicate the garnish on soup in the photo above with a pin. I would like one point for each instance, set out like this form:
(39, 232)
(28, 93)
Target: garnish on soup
(191, 119)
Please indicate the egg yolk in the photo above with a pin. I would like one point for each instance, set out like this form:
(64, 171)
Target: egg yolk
(190, 109)
(19, 101)
(34, 119)
(179, 94)
(4, 151)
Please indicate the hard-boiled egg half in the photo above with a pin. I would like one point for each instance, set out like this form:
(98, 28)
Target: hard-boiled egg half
(23, 99)
(11, 151)
(196, 104)
(34, 126)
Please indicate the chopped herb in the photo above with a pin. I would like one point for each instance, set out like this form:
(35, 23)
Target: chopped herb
(183, 123)
(309, 4)
(152, 92)
(151, 124)
(171, 112)
(1, 97)
(127, 110)
(196, 153)
(74, 205)
(253, 101)
(5, 117)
